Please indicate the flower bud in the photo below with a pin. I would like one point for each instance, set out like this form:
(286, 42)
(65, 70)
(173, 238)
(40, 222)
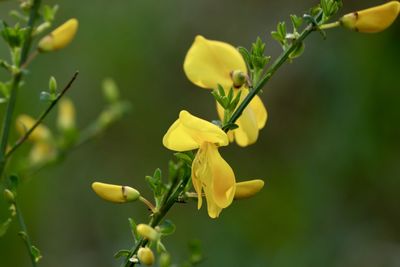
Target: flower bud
(42, 152)
(9, 196)
(147, 231)
(66, 115)
(60, 37)
(239, 78)
(25, 122)
(248, 189)
(115, 193)
(145, 256)
(165, 260)
(374, 19)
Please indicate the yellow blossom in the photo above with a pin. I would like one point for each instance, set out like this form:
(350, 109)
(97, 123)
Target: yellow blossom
(66, 114)
(42, 151)
(210, 172)
(209, 63)
(374, 19)
(25, 122)
(248, 189)
(115, 193)
(60, 37)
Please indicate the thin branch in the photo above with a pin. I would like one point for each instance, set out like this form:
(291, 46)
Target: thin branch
(42, 116)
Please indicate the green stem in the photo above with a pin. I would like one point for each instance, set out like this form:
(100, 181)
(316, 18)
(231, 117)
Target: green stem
(330, 25)
(270, 72)
(15, 84)
(157, 217)
(25, 237)
(41, 117)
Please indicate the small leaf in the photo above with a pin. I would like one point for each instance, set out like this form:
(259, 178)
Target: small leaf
(298, 51)
(122, 253)
(46, 96)
(296, 21)
(36, 253)
(184, 157)
(160, 247)
(4, 226)
(133, 225)
(52, 86)
(167, 227)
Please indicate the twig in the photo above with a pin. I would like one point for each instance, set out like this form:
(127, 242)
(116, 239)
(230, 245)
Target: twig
(41, 117)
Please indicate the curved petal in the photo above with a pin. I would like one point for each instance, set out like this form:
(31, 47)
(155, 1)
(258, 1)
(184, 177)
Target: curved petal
(222, 186)
(178, 139)
(248, 188)
(203, 131)
(259, 111)
(247, 132)
(209, 63)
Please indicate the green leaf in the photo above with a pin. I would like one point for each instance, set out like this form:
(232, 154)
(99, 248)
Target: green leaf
(298, 51)
(52, 86)
(160, 247)
(296, 21)
(36, 253)
(4, 226)
(122, 253)
(14, 36)
(167, 228)
(184, 157)
(133, 225)
(49, 12)
(13, 182)
(245, 54)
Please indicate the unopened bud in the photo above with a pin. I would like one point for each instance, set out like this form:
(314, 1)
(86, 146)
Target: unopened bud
(60, 37)
(145, 256)
(41, 152)
(147, 232)
(52, 85)
(239, 78)
(115, 193)
(9, 196)
(110, 90)
(248, 189)
(25, 122)
(165, 260)
(374, 19)
(66, 115)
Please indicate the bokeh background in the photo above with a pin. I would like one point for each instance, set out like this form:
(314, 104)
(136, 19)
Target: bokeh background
(330, 153)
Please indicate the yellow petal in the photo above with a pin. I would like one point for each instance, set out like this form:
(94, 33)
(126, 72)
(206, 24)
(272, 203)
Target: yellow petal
(25, 122)
(248, 189)
(254, 118)
(373, 19)
(115, 193)
(260, 111)
(66, 114)
(189, 132)
(216, 177)
(60, 37)
(209, 63)
(42, 151)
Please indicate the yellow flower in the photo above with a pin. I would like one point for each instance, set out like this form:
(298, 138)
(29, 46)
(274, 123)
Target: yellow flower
(248, 189)
(210, 172)
(209, 63)
(66, 114)
(60, 37)
(374, 19)
(25, 122)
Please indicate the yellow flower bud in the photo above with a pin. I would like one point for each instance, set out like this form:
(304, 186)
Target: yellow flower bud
(115, 193)
(60, 37)
(66, 114)
(25, 122)
(248, 188)
(145, 256)
(41, 152)
(373, 19)
(147, 231)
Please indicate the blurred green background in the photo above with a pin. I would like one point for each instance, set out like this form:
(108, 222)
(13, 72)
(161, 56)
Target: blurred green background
(330, 153)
